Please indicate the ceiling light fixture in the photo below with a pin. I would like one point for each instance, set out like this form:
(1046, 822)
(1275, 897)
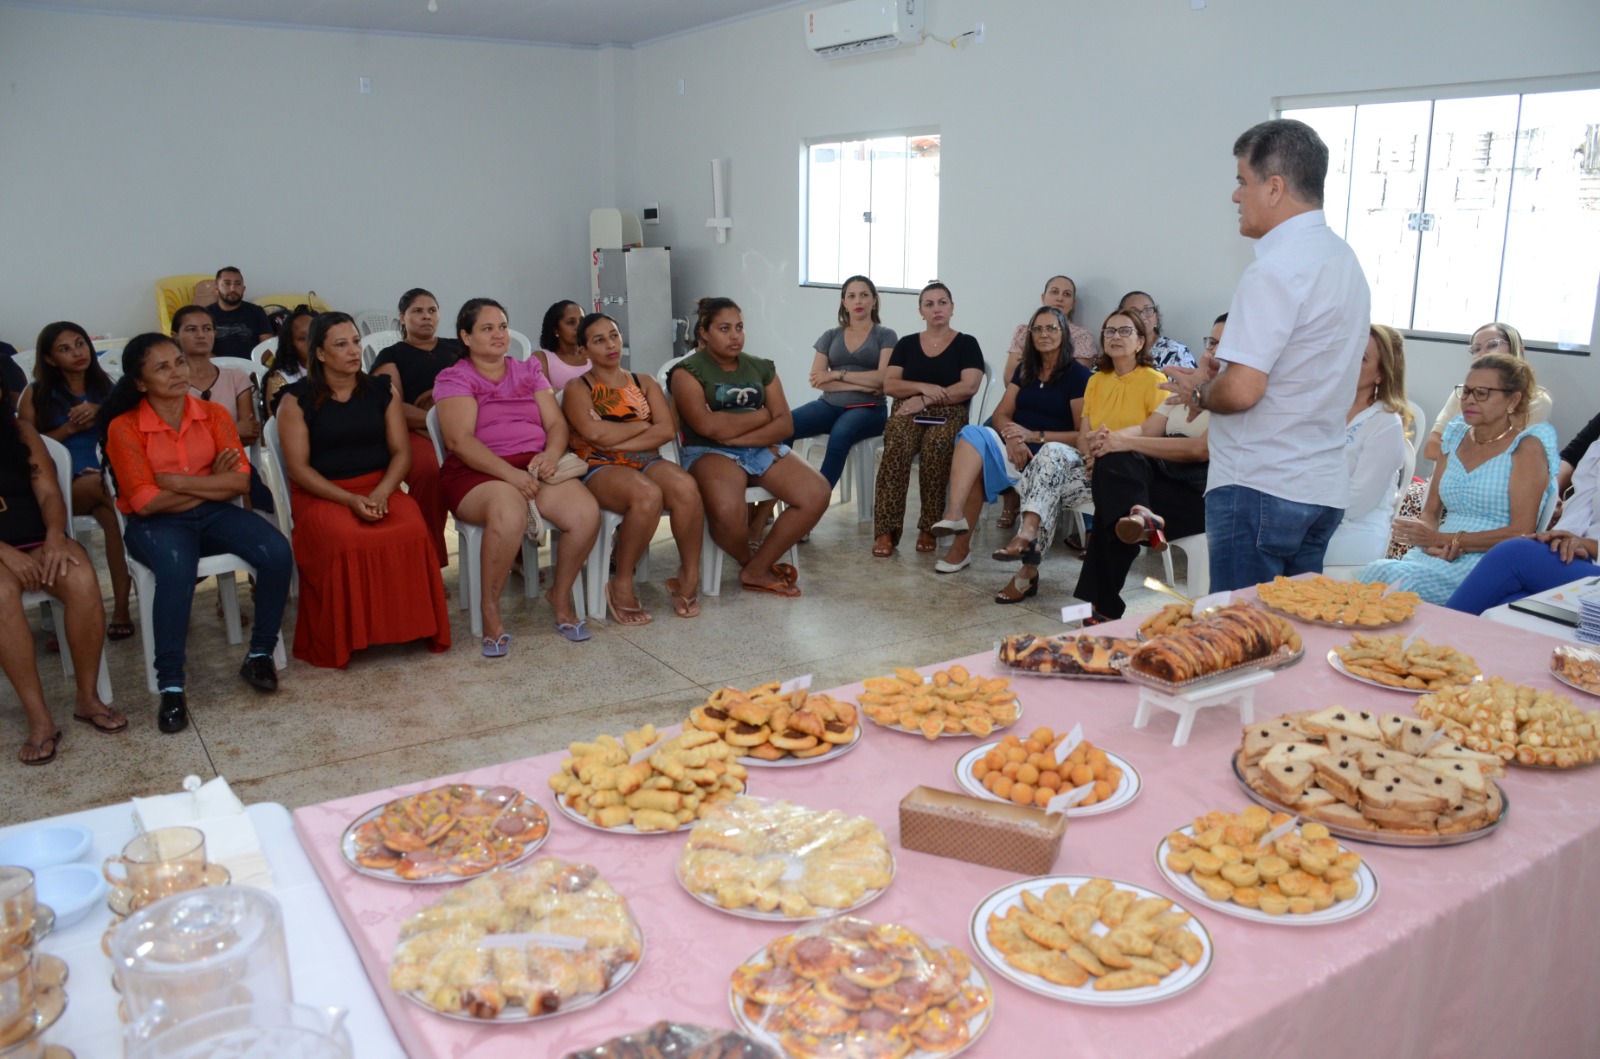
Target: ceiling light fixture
(433, 5)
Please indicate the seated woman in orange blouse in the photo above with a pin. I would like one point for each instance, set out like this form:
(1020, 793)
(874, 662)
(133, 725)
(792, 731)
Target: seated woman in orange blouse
(619, 423)
(368, 571)
(177, 464)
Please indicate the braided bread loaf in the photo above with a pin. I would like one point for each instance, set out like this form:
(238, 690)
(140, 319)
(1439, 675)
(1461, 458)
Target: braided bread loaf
(1236, 634)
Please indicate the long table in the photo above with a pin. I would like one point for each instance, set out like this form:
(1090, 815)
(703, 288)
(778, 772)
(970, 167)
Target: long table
(323, 968)
(1478, 949)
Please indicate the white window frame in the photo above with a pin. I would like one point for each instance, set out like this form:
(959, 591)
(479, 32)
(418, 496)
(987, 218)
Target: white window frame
(804, 226)
(1435, 93)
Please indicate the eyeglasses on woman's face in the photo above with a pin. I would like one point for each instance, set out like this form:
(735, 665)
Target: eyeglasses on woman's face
(1210, 343)
(1488, 346)
(1113, 332)
(1479, 394)
(1045, 329)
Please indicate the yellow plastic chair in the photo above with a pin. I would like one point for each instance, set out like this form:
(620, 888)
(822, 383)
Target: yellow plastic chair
(172, 294)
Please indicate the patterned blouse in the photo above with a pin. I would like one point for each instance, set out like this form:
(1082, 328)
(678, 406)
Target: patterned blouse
(627, 404)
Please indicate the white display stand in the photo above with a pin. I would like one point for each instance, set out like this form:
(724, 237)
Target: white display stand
(1240, 691)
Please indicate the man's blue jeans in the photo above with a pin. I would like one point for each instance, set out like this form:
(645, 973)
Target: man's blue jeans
(172, 545)
(845, 427)
(1255, 536)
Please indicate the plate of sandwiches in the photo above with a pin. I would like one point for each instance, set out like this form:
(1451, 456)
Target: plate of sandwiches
(1389, 779)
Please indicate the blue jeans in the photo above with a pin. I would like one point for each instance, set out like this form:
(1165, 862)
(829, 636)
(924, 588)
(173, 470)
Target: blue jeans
(172, 546)
(1255, 536)
(1514, 569)
(845, 427)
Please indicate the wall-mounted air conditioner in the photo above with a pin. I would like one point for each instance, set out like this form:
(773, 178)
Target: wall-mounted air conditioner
(859, 26)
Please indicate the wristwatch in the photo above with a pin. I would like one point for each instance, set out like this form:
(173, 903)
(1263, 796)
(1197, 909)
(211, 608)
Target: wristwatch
(841, 375)
(1199, 399)
(1041, 437)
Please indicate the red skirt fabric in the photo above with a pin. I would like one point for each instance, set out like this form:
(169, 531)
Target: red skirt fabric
(364, 583)
(423, 485)
(456, 479)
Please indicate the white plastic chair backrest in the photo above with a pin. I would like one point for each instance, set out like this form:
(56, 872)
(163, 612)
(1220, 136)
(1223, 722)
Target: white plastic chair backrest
(375, 343)
(258, 355)
(24, 360)
(521, 348)
(436, 434)
(373, 321)
(1407, 471)
(662, 375)
(975, 409)
(254, 369)
(111, 362)
(280, 476)
(63, 461)
(1547, 508)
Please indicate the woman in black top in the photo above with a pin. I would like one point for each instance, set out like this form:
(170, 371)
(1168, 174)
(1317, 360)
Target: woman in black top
(932, 376)
(367, 569)
(411, 365)
(35, 553)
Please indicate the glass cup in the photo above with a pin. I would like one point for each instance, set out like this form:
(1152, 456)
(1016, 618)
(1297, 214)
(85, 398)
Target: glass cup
(18, 908)
(160, 863)
(197, 952)
(283, 1031)
(16, 993)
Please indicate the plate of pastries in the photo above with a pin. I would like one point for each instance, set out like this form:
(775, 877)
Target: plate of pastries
(1386, 778)
(951, 703)
(1518, 724)
(445, 834)
(1344, 604)
(1169, 618)
(679, 1041)
(1091, 940)
(1070, 655)
(849, 986)
(1234, 639)
(1247, 865)
(642, 784)
(774, 860)
(777, 729)
(1392, 662)
(1577, 667)
(519, 945)
(1028, 772)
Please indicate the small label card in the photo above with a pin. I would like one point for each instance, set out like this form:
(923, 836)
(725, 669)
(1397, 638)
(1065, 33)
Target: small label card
(1069, 744)
(1076, 612)
(1062, 802)
(1278, 832)
(795, 684)
(1215, 599)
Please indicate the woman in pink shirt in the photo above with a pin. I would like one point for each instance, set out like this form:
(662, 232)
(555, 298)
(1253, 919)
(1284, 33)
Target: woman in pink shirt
(505, 434)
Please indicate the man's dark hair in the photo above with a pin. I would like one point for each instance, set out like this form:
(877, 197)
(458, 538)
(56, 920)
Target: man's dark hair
(228, 268)
(1290, 149)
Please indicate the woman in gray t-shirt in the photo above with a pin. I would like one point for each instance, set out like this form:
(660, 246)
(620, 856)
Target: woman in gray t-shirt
(848, 369)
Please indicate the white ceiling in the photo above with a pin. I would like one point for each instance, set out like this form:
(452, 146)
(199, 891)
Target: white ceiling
(571, 22)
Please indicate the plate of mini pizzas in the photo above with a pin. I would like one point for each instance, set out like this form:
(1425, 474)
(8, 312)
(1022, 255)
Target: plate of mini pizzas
(1342, 604)
(779, 862)
(996, 772)
(771, 728)
(445, 834)
(849, 986)
(1401, 664)
(1303, 878)
(1091, 940)
(953, 702)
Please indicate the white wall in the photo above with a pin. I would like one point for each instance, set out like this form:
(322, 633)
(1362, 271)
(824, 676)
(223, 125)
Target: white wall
(137, 148)
(1091, 139)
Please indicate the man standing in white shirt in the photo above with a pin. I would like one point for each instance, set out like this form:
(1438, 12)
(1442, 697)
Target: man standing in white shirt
(1287, 365)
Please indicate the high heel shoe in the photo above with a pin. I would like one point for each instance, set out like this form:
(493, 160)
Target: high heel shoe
(1011, 594)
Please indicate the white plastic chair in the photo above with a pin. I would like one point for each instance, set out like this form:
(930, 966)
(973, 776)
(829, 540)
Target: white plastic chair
(223, 567)
(278, 482)
(469, 551)
(258, 355)
(373, 321)
(521, 347)
(711, 555)
(111, 361)
(375, 343)
(58, 613)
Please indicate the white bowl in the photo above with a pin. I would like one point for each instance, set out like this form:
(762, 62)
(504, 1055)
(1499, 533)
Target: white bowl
(70, 890)
(41, 847)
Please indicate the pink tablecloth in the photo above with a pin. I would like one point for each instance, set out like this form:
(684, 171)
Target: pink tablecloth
(1480, 949)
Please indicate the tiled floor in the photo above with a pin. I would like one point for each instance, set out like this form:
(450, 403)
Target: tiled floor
(401, 713)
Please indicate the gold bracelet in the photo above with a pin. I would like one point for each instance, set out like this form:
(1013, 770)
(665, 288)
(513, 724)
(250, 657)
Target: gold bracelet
(1455, 542)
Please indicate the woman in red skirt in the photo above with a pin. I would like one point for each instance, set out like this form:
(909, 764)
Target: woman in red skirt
(368, 570)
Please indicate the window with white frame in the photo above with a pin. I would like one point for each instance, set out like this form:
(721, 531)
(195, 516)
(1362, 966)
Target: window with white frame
(871, 206)
(1465, 210)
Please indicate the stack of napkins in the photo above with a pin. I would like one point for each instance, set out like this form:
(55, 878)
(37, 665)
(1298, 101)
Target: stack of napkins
(231, 839)
(1589, 615)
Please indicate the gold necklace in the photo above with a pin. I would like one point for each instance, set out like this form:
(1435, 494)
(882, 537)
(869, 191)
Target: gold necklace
(1509, 428)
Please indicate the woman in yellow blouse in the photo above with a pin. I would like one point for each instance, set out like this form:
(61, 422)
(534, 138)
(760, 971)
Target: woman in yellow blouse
(1122, 393)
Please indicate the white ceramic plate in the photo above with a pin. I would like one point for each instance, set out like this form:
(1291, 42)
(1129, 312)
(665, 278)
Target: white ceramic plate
(778, 917)
(1334, 624)
(1569, 682)
(513, 1013)
(951, 735)
(347, 846)
(625, 829)
(1126, 791)
(975, 1025)
(1338, 667)
(1364, 899)
(1010, 896)
(801, 762)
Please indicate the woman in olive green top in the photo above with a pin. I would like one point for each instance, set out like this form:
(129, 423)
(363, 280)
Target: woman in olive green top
(735, 419)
